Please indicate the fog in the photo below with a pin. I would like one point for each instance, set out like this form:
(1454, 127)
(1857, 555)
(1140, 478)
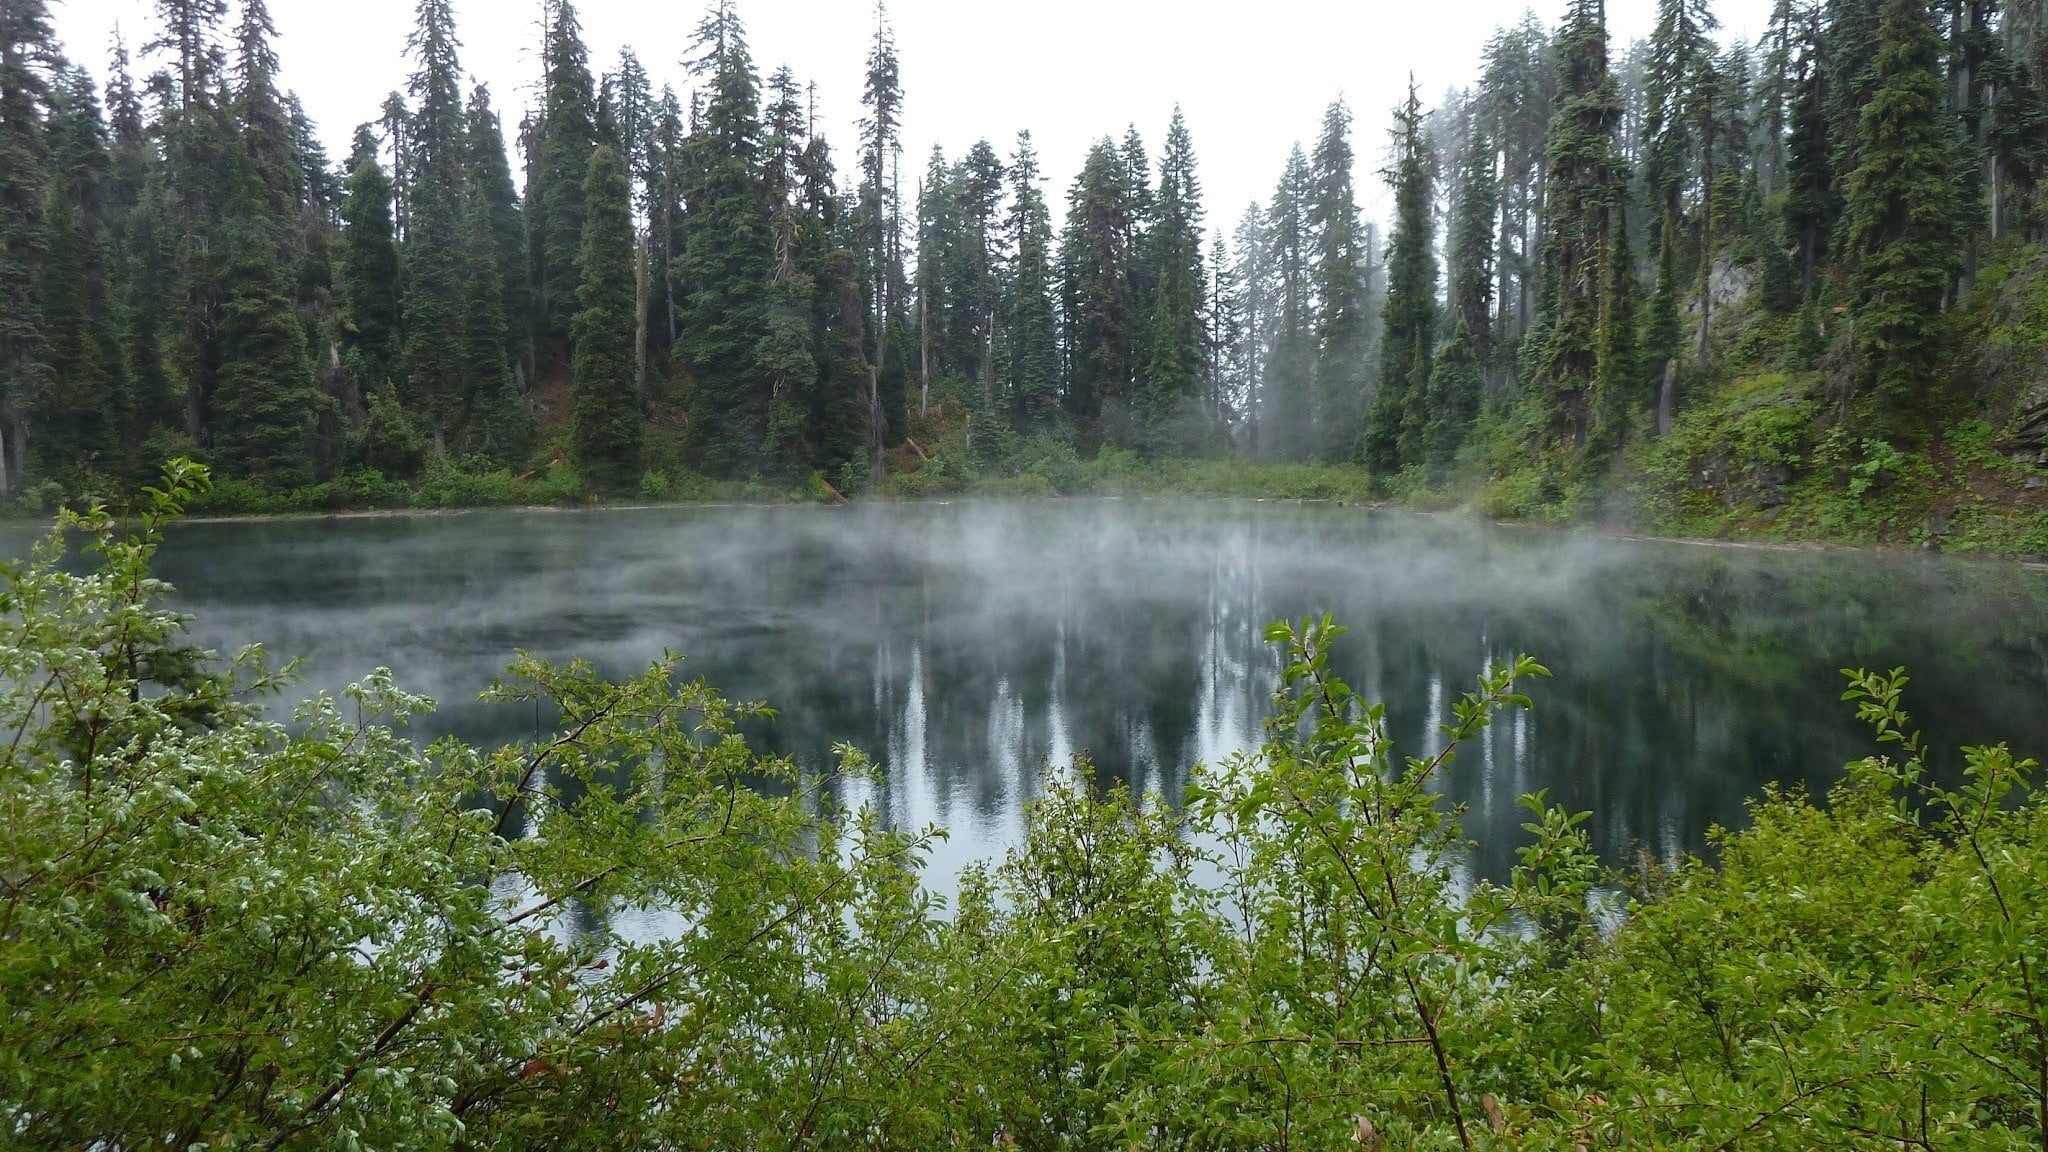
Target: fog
(969, 646)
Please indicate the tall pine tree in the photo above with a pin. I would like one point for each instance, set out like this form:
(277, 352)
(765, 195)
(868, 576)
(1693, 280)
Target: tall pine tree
(1408, 334)
(1903, 222)
(1342, 375)
(606, 444)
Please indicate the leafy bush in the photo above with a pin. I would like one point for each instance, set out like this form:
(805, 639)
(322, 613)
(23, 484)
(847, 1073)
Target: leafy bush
(450, 483)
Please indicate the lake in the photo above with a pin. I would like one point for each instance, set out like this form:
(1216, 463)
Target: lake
(967, 646)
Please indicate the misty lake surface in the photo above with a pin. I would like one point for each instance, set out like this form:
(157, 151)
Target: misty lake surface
(968, 646)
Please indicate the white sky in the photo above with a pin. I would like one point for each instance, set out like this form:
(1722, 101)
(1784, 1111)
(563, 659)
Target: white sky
(1253, 76)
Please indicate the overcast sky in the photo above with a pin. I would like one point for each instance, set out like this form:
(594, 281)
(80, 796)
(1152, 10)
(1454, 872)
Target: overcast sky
(1253, 76)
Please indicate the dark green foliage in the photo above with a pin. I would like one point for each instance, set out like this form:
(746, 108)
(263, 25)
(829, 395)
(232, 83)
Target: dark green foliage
(1099, 296)
(264, 405)
(1176, 357)
(775, 333)
(388, 440)
(723, 275)
(1902, 221)
(24, 34)
(494, 420)
(606, 446)
(432, 361)
(566, 136)
(1456, 382)
(1475, 215)
(1033, 336)
(1286, 414)
(369, 270)
(1582, 226)
(1394, 433)
(490, 178)
(1343, 377)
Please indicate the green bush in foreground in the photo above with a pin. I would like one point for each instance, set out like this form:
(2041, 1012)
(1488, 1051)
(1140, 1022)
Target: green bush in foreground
(222, 931)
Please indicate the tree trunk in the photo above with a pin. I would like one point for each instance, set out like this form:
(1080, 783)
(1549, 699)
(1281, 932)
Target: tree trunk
(1667, 398)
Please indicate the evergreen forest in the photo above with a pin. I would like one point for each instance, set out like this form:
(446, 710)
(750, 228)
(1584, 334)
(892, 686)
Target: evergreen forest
(1790, 287)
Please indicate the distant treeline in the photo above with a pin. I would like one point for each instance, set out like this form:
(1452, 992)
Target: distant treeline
(686, 282)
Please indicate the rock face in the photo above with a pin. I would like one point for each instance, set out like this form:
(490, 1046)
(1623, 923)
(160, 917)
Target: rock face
(2009, 366)
(2029, 439)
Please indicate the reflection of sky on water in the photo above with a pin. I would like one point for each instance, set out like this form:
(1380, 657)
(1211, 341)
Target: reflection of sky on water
(967, 646)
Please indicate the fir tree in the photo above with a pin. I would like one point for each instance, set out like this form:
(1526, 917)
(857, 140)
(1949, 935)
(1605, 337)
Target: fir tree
(1101, 314)
(24, 36)
(1393, 435)
(74, 411)
(264, 406)
(1902, 223)
(1342, 375)
(1033, 334)
(189, 39)
(728, 254)
(1475, 213)
(1581, 223)
(785, 355)
(1287, 419)
(267, 130)
(1177, 356)
(432, 355)
(369, 270)
(1456, 382)
(881, 236)
(606, 445)
(494, 420)
(566, 137)
(490, 177)
(1811, 205)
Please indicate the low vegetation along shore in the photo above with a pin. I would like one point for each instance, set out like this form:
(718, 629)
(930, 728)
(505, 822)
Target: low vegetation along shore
(221, 930)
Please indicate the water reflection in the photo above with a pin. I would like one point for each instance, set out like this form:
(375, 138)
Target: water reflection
(968, 646)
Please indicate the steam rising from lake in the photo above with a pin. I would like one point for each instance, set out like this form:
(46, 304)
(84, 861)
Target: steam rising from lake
(967, 646)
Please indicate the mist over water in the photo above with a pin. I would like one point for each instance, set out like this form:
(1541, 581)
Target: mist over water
(968, 646)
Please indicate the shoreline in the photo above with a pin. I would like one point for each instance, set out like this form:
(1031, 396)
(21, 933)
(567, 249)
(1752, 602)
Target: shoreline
(2025, 561)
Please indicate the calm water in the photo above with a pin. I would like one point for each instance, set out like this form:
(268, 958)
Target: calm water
(967, 646)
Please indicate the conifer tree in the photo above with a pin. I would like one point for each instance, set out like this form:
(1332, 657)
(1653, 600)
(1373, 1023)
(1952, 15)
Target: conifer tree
(1475, 213)
(494, 420)
(881, 237)
(724, 273)
(489, 176)
(432, 355)
(1033, 335)
(567, 135)
(1342, 374)
(74, 411)
(785, 355)
(264, 406)
(1456, 383)
(1516, 93)
(979, 181)
(606, 445)
(1177, 356)
(1101, 313)
(1287, 417)
(369, 270)
(1232, 361)
(24, 36)
(188, 37)
(267, 131)
(1393, 435)
(1581, 224)
(1811, 204)
(1902, 222)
